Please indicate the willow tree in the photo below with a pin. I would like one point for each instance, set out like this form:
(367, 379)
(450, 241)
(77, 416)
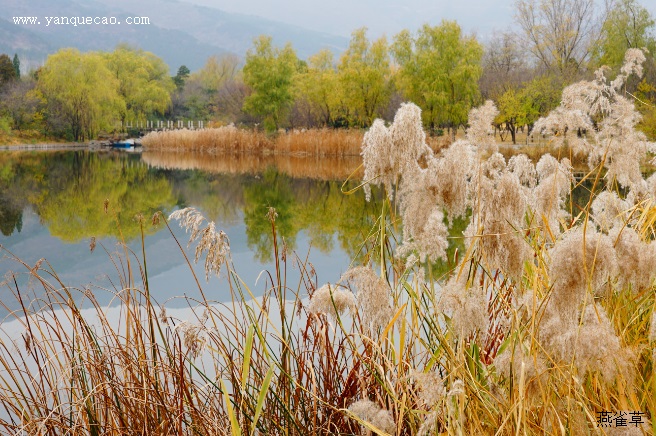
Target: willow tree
(143, 80)
(629, 25)
(80, 92)
(319, 86)
(439, 71)
(268, 71)
(364, 75)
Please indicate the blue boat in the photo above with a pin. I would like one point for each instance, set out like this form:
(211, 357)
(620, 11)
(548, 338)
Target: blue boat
(126, 143)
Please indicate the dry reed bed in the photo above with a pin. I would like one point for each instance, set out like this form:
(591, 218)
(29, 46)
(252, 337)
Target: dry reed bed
(231, 140)
(309, 167)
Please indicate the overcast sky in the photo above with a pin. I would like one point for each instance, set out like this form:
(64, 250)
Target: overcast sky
(388, 17)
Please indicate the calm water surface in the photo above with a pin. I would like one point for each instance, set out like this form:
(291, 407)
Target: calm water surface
(53, 203)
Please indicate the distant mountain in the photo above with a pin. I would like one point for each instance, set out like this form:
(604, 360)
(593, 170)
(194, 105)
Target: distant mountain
(232, 32)
(31, 47)
(180, 33)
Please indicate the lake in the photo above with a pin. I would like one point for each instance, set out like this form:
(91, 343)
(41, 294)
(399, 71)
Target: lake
(53, 204)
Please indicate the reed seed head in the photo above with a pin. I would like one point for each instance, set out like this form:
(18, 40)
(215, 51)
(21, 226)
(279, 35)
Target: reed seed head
(332, 301)
(370, 412)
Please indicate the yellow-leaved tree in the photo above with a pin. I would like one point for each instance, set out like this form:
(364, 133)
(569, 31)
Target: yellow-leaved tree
(364, 73)
(143, 81)
(81, 93)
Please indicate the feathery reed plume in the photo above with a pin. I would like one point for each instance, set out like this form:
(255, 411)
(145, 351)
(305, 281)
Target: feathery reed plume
(517, 361)
(215, 244)
(548, 197)
(590, 343)
(447, 177)
(332, 301)
(637, 257)
(609, 211)
(431, 388)
(467, 306)
(615, 137)
(388, 153)
(480, 132)
(372, 413)
(373, 296)
(580, 262)
(498, 217)
(523, 168)
(195, 337)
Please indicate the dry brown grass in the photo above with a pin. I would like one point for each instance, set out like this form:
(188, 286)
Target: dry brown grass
(229, 139)
(226, 139)
(319, 142)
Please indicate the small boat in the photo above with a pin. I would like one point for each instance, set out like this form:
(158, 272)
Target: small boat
(126, 143)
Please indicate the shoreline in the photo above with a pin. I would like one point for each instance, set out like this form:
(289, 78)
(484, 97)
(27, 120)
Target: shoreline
(46, 146)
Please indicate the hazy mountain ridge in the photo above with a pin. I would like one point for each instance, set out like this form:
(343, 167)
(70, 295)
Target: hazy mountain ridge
(180, 33)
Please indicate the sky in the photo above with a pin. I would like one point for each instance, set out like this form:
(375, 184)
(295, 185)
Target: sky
(384, 17)
(341, 17)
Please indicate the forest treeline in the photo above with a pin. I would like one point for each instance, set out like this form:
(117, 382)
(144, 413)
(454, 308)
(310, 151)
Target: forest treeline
(446, 72)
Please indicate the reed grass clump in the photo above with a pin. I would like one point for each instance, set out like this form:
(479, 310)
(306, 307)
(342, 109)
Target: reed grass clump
(543, 324)
(232, 140)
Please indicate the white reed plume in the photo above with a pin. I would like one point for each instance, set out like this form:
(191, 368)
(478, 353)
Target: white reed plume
(590, 343)
(579, 262)
(480, 132)
(637, 257)
(215, 244)
(389, 153)
(373, 296)
(466, 306)
(372, 413)
(332, 301)
(431, 387)
(498, 217)
(548, 198)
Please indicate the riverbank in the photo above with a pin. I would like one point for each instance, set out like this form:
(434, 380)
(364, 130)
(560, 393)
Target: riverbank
(45, 146)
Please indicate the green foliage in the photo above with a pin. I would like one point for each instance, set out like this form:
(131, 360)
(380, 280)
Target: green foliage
(143, 82)
(5, 124)
(16, 63)
(629, 25)
(319, 209)
(539, 96)
(82, 91)
(440, 69)
(24, 103)
(524, 106)
(182, 75)
(646, 95)
(7, 70)
(364, 76)
(67, 191)
(216, 72)
(268, 72)
(319, 85)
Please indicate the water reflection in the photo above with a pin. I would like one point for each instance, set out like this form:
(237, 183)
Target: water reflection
(52, 203)
(310, 167)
